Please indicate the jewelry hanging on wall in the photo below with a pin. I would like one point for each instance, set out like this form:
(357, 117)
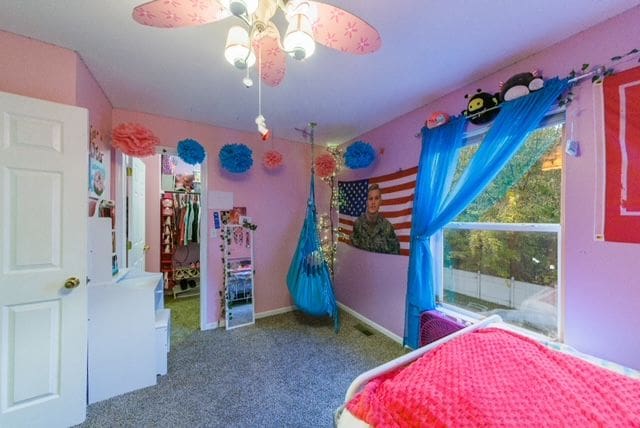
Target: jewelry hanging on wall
(238, 236)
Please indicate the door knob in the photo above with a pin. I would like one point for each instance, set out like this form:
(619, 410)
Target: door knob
(72, 282)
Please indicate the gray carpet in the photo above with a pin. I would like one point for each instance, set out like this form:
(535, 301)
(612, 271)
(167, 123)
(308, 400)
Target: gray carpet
(285, 371)
(185, 317)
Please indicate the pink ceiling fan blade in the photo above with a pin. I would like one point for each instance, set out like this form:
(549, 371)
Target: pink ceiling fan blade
(338, 29)
(273, 62)
(179, 13)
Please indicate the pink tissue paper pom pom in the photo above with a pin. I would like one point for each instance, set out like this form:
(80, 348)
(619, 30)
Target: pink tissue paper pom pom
(325, 165)
(134, 139)
(272, 159)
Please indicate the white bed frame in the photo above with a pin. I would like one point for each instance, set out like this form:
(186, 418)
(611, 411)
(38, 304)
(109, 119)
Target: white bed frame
(406, 359)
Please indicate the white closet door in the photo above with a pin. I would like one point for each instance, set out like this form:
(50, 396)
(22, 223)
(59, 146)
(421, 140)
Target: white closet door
(137, 237)
(43, 224)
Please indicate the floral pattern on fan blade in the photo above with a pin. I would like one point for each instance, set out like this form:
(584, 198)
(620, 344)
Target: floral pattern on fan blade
(273, 60)
(179, 13)
(341, 30)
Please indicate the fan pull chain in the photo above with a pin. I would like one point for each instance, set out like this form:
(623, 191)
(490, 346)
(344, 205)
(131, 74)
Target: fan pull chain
(259, 79)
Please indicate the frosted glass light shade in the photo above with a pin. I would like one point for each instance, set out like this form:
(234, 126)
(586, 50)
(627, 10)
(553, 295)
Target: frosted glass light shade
(298, 41)
(237, 50)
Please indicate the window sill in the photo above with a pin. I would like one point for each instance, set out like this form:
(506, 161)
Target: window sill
(472, 318)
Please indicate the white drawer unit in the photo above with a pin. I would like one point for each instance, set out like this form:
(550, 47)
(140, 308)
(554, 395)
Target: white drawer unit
(129, 332)
(163, 339)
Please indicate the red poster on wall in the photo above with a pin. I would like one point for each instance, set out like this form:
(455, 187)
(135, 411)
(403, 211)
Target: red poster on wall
(622, 141)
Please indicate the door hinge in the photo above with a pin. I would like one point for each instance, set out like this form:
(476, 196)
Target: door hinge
(129, 171)
(129, 245)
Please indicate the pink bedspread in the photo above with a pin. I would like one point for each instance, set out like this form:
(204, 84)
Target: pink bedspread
(492, 377)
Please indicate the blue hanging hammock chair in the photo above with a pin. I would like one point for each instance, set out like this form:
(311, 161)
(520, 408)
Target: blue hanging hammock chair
(309, 279)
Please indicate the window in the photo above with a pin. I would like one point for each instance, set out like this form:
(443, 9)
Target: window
(502, 254)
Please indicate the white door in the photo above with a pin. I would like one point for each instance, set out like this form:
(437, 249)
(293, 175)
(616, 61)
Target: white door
(43, 233)
(137, 242)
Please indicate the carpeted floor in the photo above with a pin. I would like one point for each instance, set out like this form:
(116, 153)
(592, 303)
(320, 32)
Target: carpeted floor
(185, 317)
(285, 371)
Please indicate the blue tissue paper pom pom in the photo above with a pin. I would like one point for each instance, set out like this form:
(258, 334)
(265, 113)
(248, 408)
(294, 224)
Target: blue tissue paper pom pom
(190, 151)
(359, 155)
(236, 158)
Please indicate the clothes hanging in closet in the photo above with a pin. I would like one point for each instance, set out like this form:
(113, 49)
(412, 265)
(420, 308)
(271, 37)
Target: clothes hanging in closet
(187, 218)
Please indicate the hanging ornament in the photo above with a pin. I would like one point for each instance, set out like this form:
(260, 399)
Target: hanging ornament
(134, 139)
(325, 165)
(236, 158)
(264, 132)
(272, 160)
(359, 155)
(191, 151)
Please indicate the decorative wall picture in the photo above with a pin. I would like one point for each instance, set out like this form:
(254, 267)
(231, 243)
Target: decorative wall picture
(97, 178)
(375, 213)
(98, 167)
(233, 216)
(622, 146)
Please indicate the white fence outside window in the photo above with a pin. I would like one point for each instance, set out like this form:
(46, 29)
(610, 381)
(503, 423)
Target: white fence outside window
(530, 305)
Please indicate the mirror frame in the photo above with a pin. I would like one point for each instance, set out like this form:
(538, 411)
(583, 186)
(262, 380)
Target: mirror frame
(228, 259)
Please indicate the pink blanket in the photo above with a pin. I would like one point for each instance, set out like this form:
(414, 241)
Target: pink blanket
(492, 377)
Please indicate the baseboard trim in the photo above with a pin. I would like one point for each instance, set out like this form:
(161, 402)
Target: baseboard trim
(221, 323)
(371, 324)
(211, 325)
(273, 312)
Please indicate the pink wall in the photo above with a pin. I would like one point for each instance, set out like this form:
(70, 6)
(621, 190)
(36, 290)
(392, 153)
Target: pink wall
(601, 281)
(90, 95)
(40, 70)
(276, 201)
(36, 69)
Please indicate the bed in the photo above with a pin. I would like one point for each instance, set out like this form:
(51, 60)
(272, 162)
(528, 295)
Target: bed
(489, 375)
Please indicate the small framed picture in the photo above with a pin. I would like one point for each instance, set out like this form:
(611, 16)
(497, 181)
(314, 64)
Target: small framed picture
(97, 178)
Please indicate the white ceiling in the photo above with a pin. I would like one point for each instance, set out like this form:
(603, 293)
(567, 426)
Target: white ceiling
(429, 47)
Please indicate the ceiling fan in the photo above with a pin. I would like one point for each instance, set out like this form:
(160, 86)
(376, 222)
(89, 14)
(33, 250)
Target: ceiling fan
(308, 22)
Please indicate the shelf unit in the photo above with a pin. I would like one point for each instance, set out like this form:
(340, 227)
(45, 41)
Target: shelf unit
(173, 270)
(190, 274)
(103, 258)
(128, 350)
(167, 243)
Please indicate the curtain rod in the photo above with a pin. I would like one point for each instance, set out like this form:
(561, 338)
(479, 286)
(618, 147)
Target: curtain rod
(597, 70)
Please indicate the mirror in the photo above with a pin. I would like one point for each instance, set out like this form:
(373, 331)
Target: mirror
(239, 272)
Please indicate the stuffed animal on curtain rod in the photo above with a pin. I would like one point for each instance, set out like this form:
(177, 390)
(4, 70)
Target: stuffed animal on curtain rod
(482, 107)
(520, 84)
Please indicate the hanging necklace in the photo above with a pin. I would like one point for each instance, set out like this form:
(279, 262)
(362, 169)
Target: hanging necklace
(238, 235)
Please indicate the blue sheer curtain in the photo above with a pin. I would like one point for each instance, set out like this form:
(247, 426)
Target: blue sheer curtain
(436, 203)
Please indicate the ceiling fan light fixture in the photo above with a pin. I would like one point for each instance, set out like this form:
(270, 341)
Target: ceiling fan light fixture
(237, 51)
(298, 41)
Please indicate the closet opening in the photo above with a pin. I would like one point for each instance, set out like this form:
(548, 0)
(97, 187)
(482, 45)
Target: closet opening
(182, 242)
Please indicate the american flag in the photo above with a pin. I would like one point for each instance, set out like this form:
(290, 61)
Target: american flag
(397, 203)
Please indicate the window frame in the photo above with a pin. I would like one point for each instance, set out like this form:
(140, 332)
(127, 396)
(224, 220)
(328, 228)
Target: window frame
(553, 118)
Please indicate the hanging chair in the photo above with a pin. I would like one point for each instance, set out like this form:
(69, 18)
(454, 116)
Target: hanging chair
(309, 279)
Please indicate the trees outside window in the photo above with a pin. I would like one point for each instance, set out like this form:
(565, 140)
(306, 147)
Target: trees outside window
(501, 254)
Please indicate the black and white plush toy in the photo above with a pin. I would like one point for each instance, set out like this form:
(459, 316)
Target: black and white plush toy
(478, 107)
(519, 85)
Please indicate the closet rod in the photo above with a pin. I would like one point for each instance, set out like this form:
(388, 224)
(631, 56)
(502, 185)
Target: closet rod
(178, 192)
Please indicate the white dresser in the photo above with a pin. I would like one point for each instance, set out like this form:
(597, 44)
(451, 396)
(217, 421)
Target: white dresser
(129, 331)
